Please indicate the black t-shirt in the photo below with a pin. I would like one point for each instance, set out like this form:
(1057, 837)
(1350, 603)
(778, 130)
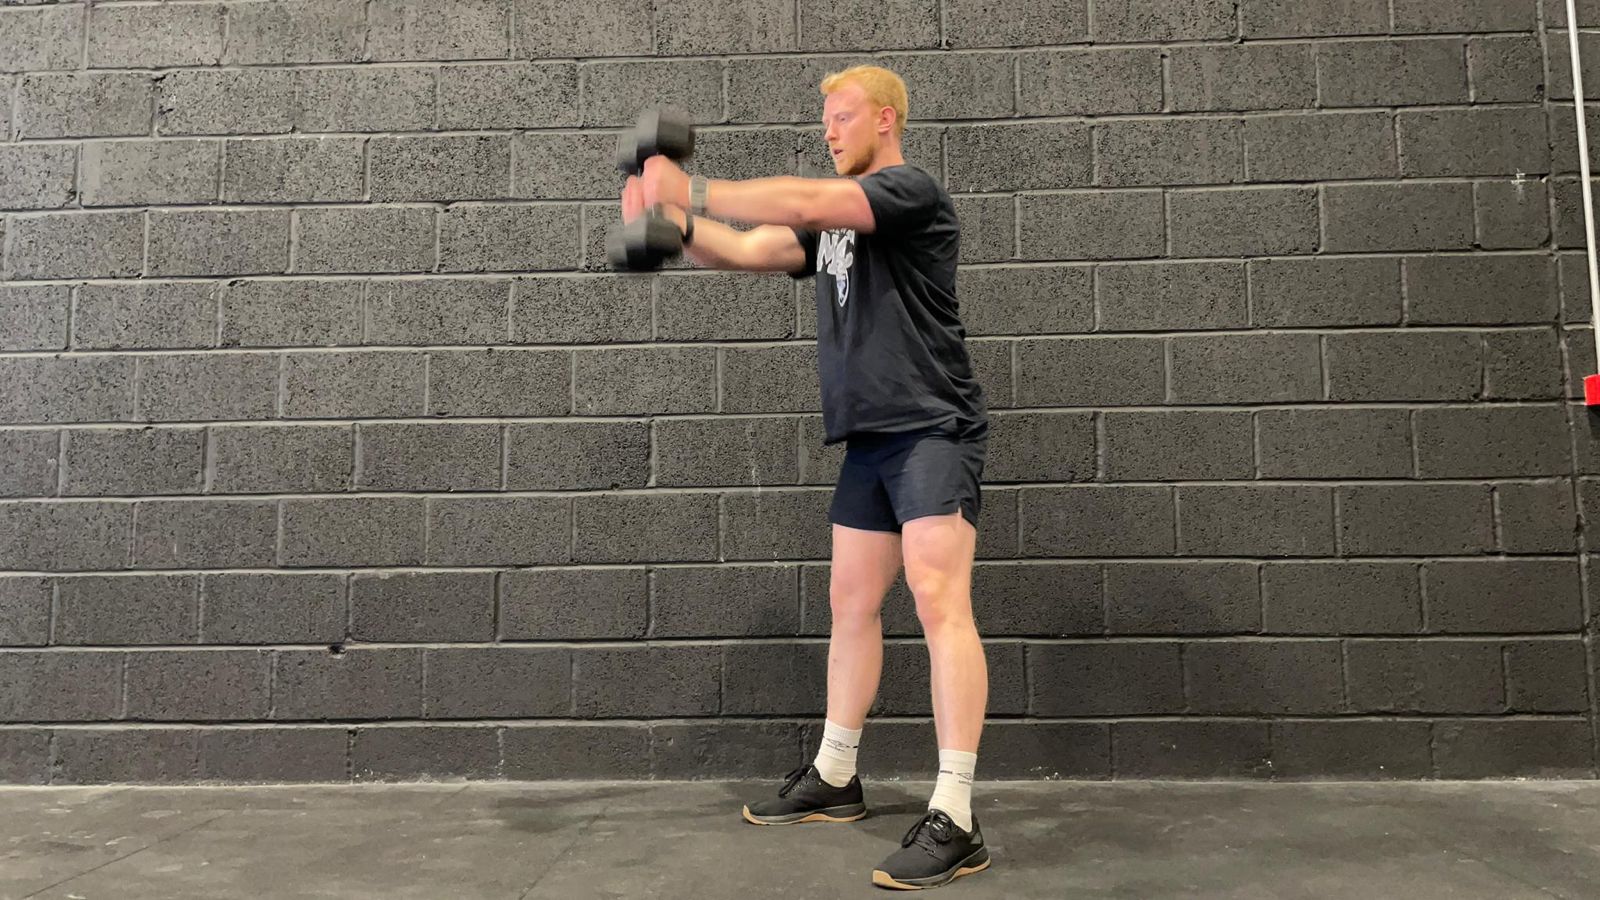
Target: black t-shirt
(891, 349)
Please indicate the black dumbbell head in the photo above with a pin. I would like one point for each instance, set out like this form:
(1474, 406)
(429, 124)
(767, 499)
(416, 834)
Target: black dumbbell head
(644, 244)
(665, 130)
(660, 130)
(628, 159)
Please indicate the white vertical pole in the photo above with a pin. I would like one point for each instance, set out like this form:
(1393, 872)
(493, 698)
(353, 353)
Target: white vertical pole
(1583, 168)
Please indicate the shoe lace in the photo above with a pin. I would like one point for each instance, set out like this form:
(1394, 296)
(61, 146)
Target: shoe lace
(792, 779)
(933, 829)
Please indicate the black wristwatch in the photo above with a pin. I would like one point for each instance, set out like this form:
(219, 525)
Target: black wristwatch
(688, 229)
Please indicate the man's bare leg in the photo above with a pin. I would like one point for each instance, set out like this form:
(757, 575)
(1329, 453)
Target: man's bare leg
(865, 565)
(939, 553)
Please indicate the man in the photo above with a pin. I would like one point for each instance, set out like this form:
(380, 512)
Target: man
(898, 389)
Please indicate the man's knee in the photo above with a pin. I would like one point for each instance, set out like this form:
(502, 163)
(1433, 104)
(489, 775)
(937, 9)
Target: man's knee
(854, 601)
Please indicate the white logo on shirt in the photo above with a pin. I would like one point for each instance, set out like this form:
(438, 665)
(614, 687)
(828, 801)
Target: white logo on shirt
(835, 255)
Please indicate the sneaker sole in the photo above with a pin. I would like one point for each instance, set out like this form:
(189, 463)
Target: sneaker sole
(851, 813)
(885, 880)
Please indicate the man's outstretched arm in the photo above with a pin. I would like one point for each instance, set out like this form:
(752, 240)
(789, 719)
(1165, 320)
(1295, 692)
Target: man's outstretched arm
(814, 203)
(767, 248)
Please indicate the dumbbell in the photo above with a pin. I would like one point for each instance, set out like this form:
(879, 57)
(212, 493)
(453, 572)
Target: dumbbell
(659, 130)
(645, 243)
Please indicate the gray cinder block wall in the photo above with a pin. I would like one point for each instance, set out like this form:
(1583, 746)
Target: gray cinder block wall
(331, 450)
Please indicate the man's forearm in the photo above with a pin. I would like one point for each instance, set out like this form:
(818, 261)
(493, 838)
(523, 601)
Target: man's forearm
(715, 245)
(781, 200)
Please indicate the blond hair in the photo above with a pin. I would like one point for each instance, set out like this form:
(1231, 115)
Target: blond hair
(882, 87)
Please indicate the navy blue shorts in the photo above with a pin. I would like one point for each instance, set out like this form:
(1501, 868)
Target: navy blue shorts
(889, 479)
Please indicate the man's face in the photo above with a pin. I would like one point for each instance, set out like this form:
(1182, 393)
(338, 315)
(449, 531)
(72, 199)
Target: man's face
(852, 129)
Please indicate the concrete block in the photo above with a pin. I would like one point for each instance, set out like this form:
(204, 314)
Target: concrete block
(726, 451)
(135, 316)
(1091, 225)
(500, 383)
(543, 28)
(1335, 443)
(437, 311)
(272, 608)
(356, 384)
(1201, 445)
(1289, 293)
(577, 456)
(644, 381)
(1182, 598)
(1332, 598)
(1027, 300)
(497, 238)
(497, 683)
(1167, 296)
(225, 101)
(510, 531)
(297, 31)
(83, 104)
(127, 461)
(365, 239)
(1097, 520)
(474, 29)
(1415, 520)
(298, 313)
(248, 459)
(1243, 76)
(686, 681)
(515, 95)
(1255, 520)
(1018, 157)
(633, 528)
(199, 686)
(428, 456)
(1180, 151)
(574, 604)
(376, 683)
(40, 176)
(294, 170)
(219, 242)
(353, 531)
(1246, 368)
(1105, 679)
(440, 167)
(1091, 371)
(28, 463)
(423, 606)
(205, 534)
(155, 36)
(76, 245)
(34, 318)
(1282, 222)
(724, 601)
(1265, 677)
(1044, 446)
(1085, 81)
(66, 536)
(138, 173)
(772, 525)
(1320, 146)
(133, 609)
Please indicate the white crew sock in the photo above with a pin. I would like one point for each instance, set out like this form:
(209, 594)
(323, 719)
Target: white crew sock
(953, 791)
(836, 758)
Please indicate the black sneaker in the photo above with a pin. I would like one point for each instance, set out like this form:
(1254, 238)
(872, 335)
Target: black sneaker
(934, 852)
(805, 797)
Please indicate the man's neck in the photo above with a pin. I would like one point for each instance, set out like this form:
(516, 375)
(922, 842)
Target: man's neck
(887, 157)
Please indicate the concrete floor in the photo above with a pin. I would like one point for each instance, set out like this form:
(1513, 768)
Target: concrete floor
(678, 839)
